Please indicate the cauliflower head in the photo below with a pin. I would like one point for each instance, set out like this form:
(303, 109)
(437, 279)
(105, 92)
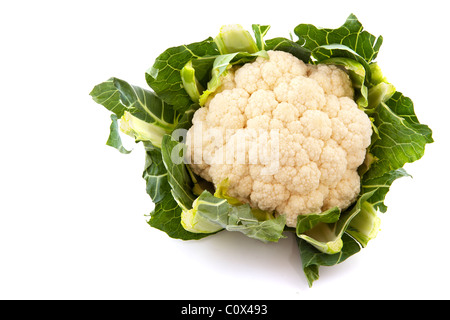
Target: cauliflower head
(287, 135)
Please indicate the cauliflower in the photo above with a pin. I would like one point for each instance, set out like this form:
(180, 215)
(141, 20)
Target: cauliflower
(288, 136)
(278, 142)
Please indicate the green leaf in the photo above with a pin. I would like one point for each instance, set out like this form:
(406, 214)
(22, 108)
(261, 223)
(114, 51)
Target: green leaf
(365, 226)
(185, 121)
(144, 116)
(323, 239)
(260, 31)
(167, 217)
(379, 93)
(234, 38)
(308, 221)
(114, 139)
(146, 106)
(222, 193)
(266, 231)
(213, 209)
(203, 67)
(404, 108)
(190, 82)
(177, 175)
(107, 95)
(155, 175)
(377, 74)
(330, 51)
(239, 218)
(141, 130)
(242, 219)
(327, 237)
(350, 35)
(401, 138)
(381, 186)
(194, 222)
(286, 45)
(312, 259)
(164, 76)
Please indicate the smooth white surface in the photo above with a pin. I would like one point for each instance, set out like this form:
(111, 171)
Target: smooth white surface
(72, 210)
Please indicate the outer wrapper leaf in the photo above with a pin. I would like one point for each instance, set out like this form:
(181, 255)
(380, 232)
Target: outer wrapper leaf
(350, 34)
(401, 140)
(381, 186)
(167, 218)
(308, 221)
(155, 175)
(145, 105)
(164, 76)
(327, 237)
(174, 185)
(286, 45)
(177, 174)
(107, 95)
(365, 226)
(239, 218)
(114, 139)
(313, 259)
(403, 107)
(260, 31)
(153, 117)
(119, 96)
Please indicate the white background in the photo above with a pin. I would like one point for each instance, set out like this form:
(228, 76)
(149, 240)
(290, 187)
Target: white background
(72, 210)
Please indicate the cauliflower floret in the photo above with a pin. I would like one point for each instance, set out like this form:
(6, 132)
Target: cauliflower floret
(285, 112)
(288, 136)
(266, 195)
(225, 110)
(316, 124)
(305, 93)
(249, 77)
(345, 192)
(332, 80)
(260, 102)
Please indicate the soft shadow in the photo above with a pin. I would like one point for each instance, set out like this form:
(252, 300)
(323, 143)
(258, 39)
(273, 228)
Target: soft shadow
(236, 256)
